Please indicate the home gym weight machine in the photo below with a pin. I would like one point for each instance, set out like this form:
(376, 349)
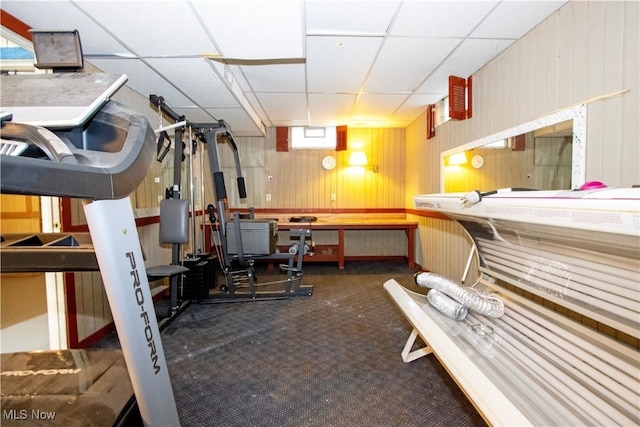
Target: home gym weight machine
(182, 288)
(228, 235)
(237, 250)
(75, 142)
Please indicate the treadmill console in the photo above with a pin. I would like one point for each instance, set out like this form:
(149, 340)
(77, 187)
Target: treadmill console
(62, 136)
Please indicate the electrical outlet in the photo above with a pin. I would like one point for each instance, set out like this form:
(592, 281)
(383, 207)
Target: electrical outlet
(333, 197)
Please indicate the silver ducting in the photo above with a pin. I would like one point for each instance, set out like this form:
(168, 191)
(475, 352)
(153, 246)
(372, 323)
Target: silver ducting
(474, 299)
(446, 305)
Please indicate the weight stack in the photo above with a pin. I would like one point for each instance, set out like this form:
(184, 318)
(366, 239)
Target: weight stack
(199, 278)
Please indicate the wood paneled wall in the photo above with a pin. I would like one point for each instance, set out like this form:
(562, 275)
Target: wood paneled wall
(92, 307)
(582, 53)
(19, 214)
(300, 182)
(23, 299)
(444, 248)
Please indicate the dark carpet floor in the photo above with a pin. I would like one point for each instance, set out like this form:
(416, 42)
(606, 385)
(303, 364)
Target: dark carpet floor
(332, 359)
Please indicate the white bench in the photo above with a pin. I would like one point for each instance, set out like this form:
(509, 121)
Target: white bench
(540, 364)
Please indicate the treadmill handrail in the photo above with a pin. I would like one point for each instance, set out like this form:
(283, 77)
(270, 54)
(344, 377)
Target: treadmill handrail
(46, 140)
(110, 172)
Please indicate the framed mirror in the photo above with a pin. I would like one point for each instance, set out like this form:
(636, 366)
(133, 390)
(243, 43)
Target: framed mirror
(544, 154)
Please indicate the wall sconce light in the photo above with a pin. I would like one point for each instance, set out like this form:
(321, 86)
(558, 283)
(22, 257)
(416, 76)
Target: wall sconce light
(358, 158)
(458, 159)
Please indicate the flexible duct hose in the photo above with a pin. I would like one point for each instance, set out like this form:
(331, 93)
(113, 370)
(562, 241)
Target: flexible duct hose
(446, 305)
(474, 299)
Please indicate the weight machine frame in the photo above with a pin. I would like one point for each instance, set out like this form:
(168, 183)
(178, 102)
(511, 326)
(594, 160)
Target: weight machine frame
(175, 193)
(238, 270)
(243, 276)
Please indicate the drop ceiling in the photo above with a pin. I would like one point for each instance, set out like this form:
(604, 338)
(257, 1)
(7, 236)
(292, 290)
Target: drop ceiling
(258, 64)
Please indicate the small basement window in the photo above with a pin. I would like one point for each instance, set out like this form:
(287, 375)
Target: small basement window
(442, 111)
(313, 137)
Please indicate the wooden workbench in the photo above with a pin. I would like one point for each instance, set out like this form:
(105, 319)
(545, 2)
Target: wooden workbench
(336, 253)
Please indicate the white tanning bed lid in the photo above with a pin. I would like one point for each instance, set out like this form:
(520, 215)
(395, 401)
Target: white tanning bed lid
(614, 210)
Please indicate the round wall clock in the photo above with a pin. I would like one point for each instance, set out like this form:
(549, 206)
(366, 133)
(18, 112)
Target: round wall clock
(329, 162)
(477, 161)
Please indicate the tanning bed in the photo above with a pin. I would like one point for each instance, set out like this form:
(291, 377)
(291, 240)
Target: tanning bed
(566, 265)
(559, 245)
(62, 136)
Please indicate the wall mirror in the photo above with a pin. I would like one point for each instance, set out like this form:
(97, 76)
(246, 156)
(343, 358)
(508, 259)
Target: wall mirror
(544, 154)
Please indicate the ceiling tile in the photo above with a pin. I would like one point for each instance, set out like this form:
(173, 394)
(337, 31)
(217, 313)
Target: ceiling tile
(257, 107)
(236, 73)
(143, 79)
(398, 53)
(65, 15)
(196, 79)
(150, 29)
(405, 62)
(332, 17)
(513, 19)
(254, 29)
(440, 18)
(415, 105)
(275, 78)
(339, 64)
(284, 105)
(332, 108)
(239, 122)
(377, 106)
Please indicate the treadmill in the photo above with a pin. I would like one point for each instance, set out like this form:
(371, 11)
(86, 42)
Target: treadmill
(62, 136)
